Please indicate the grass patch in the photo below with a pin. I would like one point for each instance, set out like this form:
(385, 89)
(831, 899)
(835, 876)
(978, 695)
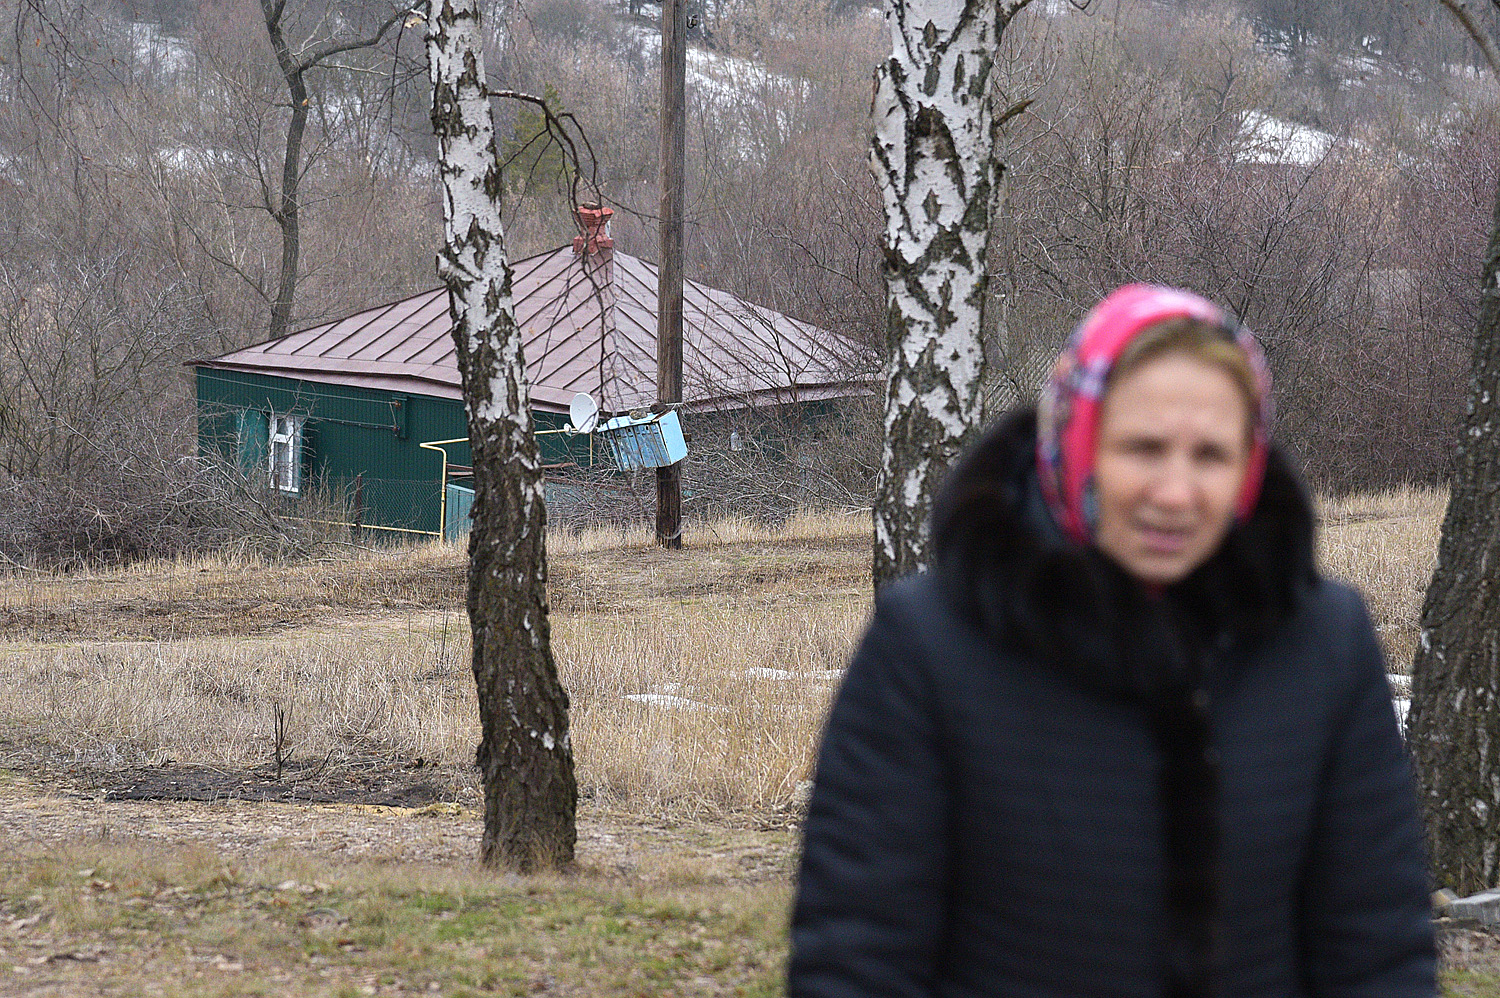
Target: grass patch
(1470, 984)
(97, 919)
(1385, 544)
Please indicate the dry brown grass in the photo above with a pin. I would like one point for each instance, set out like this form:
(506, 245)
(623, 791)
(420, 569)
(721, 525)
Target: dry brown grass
(698, 535)
(698, 679)
(1386, 545)
(219, 595)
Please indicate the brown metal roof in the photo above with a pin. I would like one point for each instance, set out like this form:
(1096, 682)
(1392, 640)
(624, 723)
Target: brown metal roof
(587, 329)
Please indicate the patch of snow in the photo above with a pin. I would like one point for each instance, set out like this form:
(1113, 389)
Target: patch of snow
(1267, 140)
(1465, 72)
(726, 77)
(151, 47)
(1278, 42)
(196, 158)
(1403, 707)
(671, 702)
(729, 75)
(730, 79)
(750, 101)
(779, 675)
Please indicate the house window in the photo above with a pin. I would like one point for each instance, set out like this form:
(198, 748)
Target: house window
(286, 452)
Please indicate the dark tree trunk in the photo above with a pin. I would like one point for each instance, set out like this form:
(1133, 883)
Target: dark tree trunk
(1454, 728)
(525, 757)
(284, 205)
(287, 215)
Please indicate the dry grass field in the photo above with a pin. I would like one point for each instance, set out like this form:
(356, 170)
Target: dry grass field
(148, 847)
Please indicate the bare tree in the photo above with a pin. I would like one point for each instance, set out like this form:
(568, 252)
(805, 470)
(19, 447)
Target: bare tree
(85, 346)
(284, 207)
(524, 755)
(1454, 728)
(933, 157)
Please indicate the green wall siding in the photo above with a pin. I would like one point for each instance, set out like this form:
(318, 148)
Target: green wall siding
(349, 430)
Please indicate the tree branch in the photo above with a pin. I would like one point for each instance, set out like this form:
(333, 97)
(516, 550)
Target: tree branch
(337, 48)
(557, 129)
(1460, 10)
(1014, 111)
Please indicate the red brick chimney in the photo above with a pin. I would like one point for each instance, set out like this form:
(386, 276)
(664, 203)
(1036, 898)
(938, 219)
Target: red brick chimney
(595, 244)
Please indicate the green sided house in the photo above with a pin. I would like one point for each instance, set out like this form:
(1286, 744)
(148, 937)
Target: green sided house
(371, 408)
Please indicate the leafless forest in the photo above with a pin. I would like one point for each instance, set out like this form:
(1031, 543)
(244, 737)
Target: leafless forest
(1326, 170)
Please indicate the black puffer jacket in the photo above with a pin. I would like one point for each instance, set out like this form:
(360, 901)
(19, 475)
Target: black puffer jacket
(1039, 780)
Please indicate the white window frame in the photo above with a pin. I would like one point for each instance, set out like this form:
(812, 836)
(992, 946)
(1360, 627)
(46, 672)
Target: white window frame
(284, 452)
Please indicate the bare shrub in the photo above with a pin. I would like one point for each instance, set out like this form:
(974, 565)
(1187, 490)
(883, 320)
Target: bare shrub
(152, 505)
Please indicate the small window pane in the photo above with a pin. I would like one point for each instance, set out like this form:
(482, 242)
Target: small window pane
(285, 453)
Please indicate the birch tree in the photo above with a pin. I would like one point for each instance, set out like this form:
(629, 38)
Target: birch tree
(1454, 727)
(933, 156)
(525, 757)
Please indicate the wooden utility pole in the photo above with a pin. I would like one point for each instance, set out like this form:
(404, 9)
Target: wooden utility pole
(669, 265)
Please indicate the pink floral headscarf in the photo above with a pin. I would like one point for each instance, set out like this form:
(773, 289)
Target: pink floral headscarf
(1068, 414)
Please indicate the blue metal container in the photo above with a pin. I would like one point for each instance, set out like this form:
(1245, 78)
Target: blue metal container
(648, 442)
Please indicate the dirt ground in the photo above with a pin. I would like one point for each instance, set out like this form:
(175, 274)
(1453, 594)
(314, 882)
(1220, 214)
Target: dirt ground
(40, 814)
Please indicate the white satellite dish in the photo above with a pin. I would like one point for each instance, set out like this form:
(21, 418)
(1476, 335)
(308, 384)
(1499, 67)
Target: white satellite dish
(584, 412)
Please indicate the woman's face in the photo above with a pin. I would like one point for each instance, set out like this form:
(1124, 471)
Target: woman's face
(1174, 446)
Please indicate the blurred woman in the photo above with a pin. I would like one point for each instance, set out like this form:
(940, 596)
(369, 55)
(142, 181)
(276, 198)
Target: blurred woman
(1122, 740)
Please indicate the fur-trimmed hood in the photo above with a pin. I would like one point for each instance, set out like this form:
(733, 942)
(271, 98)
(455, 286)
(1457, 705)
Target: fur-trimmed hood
(1002, 561)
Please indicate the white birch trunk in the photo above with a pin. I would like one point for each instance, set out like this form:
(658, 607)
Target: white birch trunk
(933, 155)
(525, 756)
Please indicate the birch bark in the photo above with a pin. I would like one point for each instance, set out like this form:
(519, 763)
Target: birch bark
(524, 756)
(933, 156)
